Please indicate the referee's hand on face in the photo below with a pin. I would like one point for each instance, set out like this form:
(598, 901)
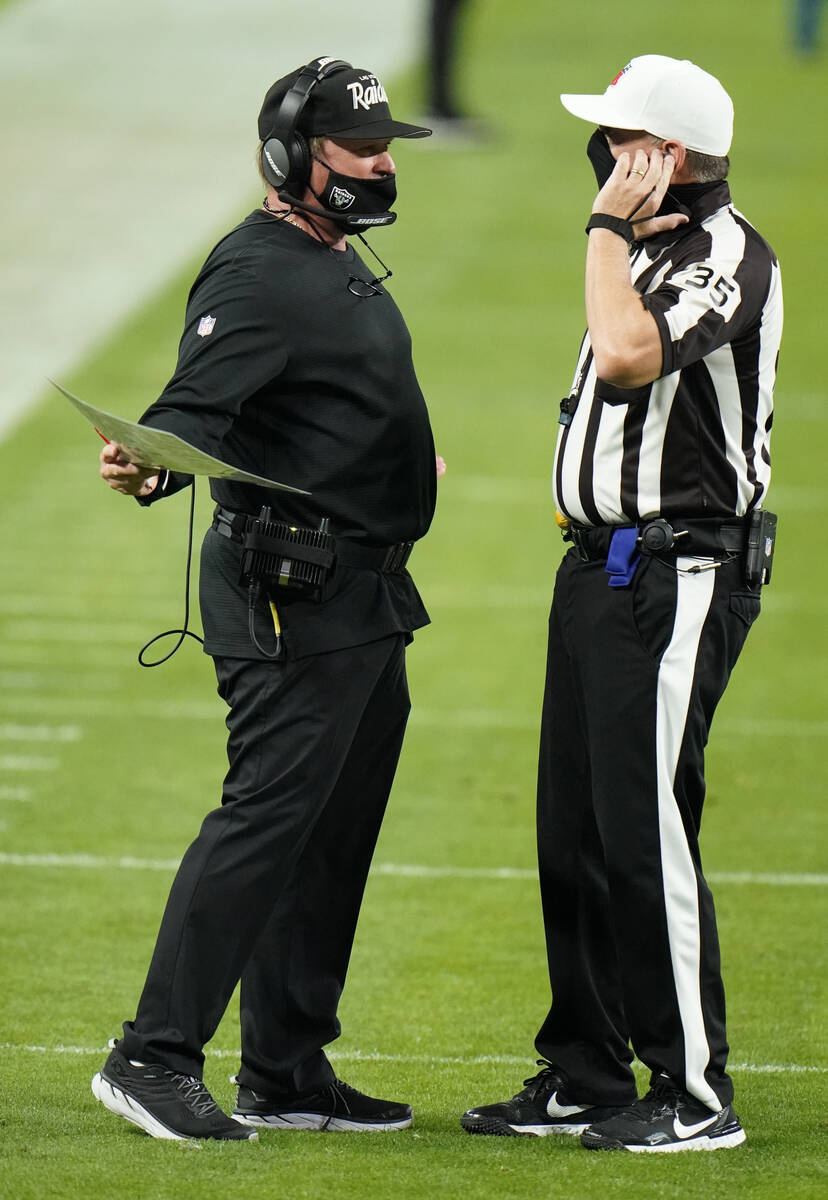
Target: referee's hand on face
(635, 190)
(124, 476)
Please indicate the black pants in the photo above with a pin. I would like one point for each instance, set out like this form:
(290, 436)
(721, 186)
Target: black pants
(633, 679)
(270, 890)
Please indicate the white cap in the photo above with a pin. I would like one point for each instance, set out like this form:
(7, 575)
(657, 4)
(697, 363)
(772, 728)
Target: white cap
(668, 97)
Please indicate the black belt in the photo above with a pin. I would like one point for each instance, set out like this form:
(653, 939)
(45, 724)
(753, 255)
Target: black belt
(390, 559)
(695, 536)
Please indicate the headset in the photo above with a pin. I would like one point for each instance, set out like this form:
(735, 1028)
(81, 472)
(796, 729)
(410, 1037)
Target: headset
(286, 157)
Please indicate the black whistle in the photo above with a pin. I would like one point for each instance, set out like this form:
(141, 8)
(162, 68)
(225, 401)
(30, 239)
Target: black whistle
(568, 407)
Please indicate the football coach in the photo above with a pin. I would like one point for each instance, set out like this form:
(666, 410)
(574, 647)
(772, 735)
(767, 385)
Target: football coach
(294, 364)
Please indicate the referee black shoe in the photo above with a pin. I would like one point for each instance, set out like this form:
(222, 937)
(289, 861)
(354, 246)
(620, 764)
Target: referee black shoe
(164, 1103)
(337, 1107)
(666, 1119)
(542, 1107)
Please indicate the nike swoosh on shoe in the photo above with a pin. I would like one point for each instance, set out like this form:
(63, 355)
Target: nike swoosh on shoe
(688, 1131)
(554, 1109)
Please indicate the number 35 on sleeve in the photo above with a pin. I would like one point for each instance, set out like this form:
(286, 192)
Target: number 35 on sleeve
(723, 292)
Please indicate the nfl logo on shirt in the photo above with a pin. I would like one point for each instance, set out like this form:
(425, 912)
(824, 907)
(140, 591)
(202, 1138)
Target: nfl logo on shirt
(205, 326)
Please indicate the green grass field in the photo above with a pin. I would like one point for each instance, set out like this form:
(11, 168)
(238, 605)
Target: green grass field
(102, 761)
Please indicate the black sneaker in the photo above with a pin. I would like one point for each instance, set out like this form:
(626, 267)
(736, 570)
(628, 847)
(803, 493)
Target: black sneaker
(541, 1108)
(337, 1107)
(164, 1103)
(666, 1119)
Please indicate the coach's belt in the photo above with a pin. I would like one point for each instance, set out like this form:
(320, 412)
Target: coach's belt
(389, 559)
(695, 536)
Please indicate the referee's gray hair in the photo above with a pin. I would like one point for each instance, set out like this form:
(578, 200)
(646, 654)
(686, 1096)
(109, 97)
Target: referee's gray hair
(705, 168)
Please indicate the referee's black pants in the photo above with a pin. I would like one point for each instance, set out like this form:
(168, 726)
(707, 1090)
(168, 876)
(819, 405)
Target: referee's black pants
(270, 890)
(633, 678)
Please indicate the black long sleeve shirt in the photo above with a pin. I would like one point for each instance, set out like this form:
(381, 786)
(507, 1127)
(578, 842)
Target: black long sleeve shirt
(284, 372)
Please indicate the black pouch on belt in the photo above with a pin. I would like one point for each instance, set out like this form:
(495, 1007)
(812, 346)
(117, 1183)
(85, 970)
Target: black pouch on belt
(759, 547)
(288, 557)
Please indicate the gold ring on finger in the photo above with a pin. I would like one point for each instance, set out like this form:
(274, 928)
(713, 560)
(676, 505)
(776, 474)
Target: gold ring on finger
(638, 171)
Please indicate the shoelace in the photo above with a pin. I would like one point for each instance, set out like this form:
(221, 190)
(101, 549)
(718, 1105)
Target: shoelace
(195, 1094)
(337, 1090)
(664, 1089)
(663, 1096)
(547, 1074)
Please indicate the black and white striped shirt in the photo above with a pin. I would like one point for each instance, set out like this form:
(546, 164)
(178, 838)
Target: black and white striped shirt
(694, 443)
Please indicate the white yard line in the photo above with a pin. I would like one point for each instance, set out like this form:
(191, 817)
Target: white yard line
(27, 762)
(437, 1060)
(52, 683)
(480, 597)
(25, 625)
(20, 795)
(40, 733)
(491, 718)
(41, 629)
(73, 704)
(128, 136)
(397, 870)
(85, 706)
(42, 654)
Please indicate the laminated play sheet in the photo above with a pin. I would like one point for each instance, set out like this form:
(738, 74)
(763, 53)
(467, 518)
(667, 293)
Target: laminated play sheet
(148, 447)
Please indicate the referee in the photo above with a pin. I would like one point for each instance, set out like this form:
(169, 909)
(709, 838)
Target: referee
(661, 469)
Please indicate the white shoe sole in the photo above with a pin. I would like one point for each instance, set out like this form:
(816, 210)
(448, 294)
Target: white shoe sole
(546, 1130)
(725, 1142)
(125, 1106)
(122, 1105)
(498, 1127)
(318, 1122)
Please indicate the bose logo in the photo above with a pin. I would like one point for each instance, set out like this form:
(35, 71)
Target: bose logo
(276, 170)
(364, 97)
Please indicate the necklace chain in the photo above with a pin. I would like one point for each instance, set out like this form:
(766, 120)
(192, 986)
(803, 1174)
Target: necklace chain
(281, 215)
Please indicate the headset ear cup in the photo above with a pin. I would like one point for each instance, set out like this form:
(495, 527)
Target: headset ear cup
(276, 165)
(285, 157)
(286, 167)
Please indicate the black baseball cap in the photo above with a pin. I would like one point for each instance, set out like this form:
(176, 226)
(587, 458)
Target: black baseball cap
(348, 103)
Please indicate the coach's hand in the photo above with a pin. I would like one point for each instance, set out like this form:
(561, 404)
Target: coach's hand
(124, 476)
(635, 190)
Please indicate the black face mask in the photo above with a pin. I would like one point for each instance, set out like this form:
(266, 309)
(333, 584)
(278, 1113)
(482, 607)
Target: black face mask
(600, 155)
(358, 204)
(603, 164)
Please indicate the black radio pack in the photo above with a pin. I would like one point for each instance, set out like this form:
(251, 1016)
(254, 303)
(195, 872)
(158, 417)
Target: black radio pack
(287, 556)
(759, 547)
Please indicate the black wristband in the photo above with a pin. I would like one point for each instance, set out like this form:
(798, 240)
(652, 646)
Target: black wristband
(616, 224)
